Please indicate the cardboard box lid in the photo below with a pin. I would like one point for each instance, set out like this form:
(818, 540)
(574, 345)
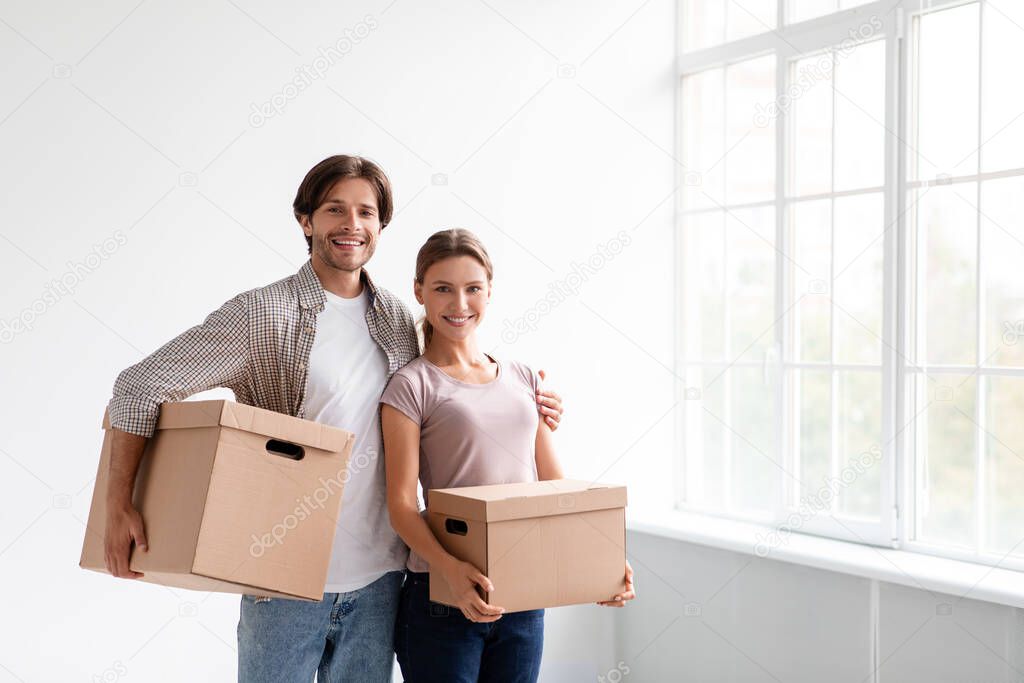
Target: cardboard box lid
(500, 502)
(225, 413)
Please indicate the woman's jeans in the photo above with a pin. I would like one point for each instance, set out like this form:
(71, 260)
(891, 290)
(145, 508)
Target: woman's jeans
(344, 638)
(435, 642)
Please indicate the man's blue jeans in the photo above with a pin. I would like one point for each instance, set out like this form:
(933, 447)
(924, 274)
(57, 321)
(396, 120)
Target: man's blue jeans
(436, 644)
(344, 638)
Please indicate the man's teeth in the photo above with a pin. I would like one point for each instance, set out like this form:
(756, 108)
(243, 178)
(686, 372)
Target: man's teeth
(351, 243)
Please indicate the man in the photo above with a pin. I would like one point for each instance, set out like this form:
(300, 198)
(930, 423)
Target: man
(321, 345)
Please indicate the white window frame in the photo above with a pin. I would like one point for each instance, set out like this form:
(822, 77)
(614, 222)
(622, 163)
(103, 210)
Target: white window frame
(911, 465)
(896, 525)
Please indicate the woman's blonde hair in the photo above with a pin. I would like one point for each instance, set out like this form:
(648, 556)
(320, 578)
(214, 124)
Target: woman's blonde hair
(446, 244)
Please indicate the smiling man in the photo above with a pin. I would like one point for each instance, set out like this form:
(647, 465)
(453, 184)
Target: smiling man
(321, 345)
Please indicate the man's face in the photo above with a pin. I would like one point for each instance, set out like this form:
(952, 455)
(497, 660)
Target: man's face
(345, 228)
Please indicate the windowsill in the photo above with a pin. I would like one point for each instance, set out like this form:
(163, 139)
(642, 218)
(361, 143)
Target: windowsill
(916, 570)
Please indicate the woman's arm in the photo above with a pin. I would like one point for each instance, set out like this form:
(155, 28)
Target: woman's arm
(548, 466)
(401, 464)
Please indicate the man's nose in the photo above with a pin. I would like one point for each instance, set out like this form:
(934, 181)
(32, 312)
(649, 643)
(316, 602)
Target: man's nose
(350, 221)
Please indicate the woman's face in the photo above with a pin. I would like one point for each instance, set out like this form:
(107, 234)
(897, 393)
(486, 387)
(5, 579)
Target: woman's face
(455, 293)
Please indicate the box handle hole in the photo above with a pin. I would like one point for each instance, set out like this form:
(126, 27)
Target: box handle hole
(285, 449)
(456, 526)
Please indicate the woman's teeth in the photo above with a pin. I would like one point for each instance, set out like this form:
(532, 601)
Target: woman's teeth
(456, 320)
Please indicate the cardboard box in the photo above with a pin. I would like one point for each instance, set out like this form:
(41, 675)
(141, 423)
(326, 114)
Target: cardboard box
(235, 499)
(542, 544)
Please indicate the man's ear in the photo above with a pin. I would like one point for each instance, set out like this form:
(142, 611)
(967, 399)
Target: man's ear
(417, 290)
(307, 225)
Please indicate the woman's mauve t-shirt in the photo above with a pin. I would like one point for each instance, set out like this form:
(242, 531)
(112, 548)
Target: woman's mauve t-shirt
(470, 434)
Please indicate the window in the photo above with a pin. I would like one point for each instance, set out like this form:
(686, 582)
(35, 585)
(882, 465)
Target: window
(850, 229)
(965, 362)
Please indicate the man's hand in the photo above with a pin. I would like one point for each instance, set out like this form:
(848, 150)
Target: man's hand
(124, 526)
(549, 404)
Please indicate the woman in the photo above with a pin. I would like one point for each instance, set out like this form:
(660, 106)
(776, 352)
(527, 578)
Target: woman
(457, 417)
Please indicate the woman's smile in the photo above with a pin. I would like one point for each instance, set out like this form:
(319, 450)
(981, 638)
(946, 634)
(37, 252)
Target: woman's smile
(457, 320)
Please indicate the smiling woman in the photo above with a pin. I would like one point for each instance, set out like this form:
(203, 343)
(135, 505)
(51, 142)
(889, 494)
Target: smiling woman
(471, 263)
(458, 417)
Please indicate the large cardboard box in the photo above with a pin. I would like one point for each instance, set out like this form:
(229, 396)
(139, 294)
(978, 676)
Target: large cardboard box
(542, 544)
(234, 498)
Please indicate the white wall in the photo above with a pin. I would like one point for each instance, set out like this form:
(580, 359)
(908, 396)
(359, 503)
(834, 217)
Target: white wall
(759, 620)
(133, 123)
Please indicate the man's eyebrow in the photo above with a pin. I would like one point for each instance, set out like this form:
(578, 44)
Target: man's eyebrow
(340, 201)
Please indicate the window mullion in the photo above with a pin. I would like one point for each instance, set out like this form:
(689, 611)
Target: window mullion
(727, 440)
(833, 420)
(784, 408)
(893, 285)
(980, 499)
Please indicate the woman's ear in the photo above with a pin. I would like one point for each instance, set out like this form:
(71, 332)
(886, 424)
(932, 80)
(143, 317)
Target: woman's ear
(417, 290)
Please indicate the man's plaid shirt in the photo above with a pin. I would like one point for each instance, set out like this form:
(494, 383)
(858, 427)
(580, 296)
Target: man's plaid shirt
(257, 344)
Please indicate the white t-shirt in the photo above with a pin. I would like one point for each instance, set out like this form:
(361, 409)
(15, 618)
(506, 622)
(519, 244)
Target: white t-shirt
(347, 374)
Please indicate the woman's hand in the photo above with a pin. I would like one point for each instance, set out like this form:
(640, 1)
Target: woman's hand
(619, 600)
(462, 579)
(549, 403)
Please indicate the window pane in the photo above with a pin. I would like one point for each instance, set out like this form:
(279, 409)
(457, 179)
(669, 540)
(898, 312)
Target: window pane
(704, 262)
(704, 23)
(860, 116)
(1002, 126)
(755, 472)
(812, 251)
(813, 402)
(1004, 443)
(857, 290)
(750, 135)
(946, 297)
(1002, 245)
(745, 18)
(858, 441)
(802, 10)
(947, 85)
(706, 438)
(946, 458)
(750, 237)
(703, 127)
(811, 115)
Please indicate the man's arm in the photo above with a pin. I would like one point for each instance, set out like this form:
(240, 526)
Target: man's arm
(124, 524)
(213, 354)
